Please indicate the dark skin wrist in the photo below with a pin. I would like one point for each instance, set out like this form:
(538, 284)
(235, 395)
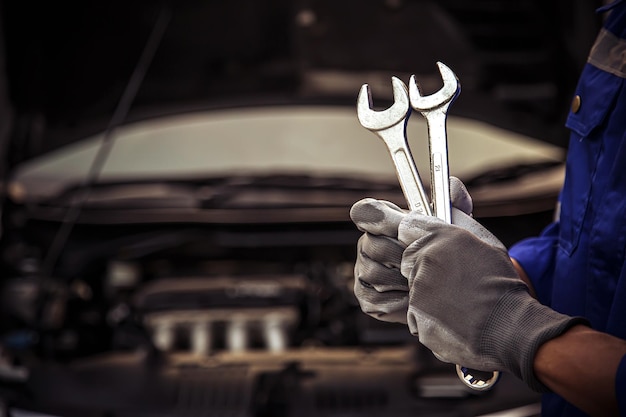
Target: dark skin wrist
(580, 366)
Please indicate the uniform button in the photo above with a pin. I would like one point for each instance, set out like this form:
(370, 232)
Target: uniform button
(576, 104)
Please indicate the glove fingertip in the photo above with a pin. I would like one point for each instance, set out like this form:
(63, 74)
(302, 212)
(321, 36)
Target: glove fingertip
(460, 197)
(359, 206)
(378, 217)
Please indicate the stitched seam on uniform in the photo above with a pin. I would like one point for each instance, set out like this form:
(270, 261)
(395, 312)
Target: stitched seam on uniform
(609, 54)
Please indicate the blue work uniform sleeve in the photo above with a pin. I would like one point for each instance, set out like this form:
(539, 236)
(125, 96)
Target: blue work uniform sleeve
(537, 257)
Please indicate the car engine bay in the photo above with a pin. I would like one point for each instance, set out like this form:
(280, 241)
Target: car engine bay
(250, 319)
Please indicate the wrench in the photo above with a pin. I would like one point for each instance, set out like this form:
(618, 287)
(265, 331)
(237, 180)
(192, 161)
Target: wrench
(390, 126)
(434, 108)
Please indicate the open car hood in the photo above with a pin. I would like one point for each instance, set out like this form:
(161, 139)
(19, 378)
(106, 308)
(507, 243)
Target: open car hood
(63, 67)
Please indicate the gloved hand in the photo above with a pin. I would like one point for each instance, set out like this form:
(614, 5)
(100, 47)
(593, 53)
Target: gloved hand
(461, 295)
(467, 303)
(380, 287)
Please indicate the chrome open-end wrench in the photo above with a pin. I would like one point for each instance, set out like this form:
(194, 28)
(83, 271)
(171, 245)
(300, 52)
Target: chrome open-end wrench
(390, 126)
(434, 108)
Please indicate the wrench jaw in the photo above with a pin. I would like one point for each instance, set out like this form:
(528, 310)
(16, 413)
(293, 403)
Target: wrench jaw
(434, 108)
(446, 95)
(390, 126)
(378, 120)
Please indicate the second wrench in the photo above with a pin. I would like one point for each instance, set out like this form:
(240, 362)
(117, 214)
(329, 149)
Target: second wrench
(390, 126)
(434, 108)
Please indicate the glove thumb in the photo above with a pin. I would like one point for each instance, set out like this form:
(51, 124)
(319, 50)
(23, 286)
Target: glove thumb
(462, 207)
(467, 222)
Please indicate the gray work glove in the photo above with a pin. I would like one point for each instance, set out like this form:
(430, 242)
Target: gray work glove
(380, 287)
(463, 298)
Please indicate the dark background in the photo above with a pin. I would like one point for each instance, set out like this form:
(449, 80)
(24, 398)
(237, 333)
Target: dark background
(67, 63)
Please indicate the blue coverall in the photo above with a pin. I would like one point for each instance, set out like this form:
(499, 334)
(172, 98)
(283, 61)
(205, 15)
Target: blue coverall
(577, 264)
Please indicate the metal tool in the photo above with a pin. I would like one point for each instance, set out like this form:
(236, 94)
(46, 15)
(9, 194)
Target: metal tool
(390, 126)
(434, 108)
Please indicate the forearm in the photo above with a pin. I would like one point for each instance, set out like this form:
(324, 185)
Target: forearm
(581, 366)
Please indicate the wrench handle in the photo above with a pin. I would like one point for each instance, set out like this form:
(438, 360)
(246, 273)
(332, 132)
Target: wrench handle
(439, 168)
(396, 141)
(410, 182)
(440, 180)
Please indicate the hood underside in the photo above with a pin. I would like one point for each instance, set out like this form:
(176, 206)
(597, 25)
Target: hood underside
(66, 66)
